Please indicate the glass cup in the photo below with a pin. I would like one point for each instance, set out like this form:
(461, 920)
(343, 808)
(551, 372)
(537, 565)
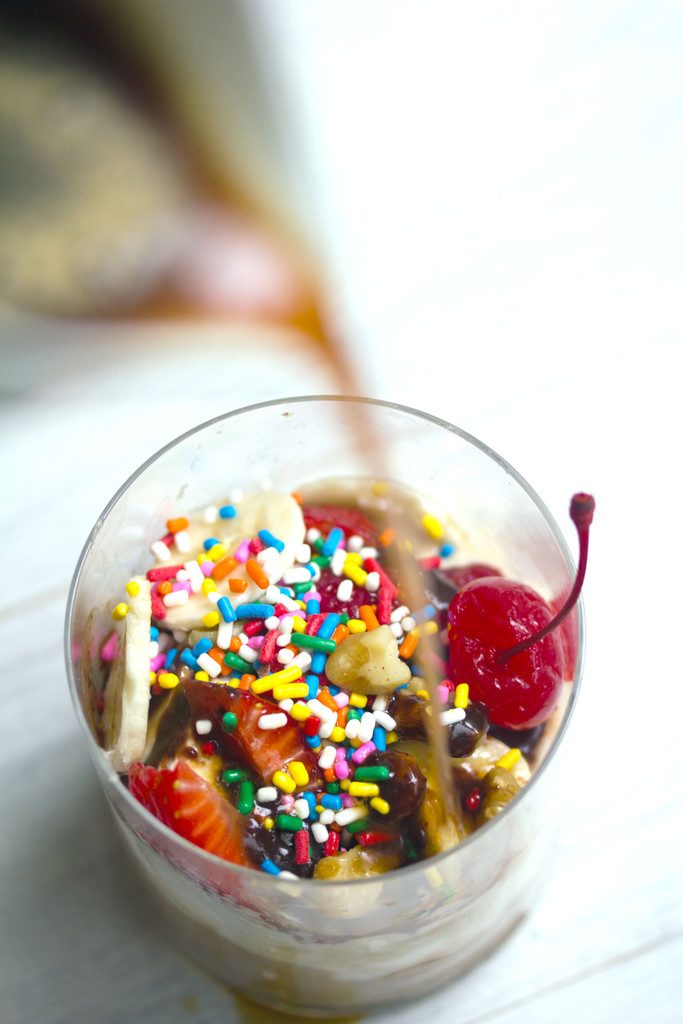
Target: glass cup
(316, 947)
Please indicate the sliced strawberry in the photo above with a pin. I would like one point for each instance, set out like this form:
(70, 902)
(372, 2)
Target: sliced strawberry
(265, 751)
(191, 807)
(350, 520)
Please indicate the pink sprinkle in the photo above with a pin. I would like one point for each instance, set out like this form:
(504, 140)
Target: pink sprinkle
(183, 585)
(341, 769)
(340, 755)
(341, 699)
(287, 801)
(313, 595)
(207, 567)
(255, 642)
(242, 553)
(443, 692)
(156, 662)
(110, 649)
(347, 801)
(362, 752)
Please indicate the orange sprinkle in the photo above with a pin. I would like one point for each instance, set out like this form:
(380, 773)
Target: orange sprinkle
(246, 681)
(176, 525)
(235, 644)
(297, 498)
(387, 536)
(256, 573)
(165, 588)
(330, 775)
(237, 586)
(325, 697)
(407, 648)
(343, 717)
(340, 633)
(217, 654)
(224, 567)
(368, 616)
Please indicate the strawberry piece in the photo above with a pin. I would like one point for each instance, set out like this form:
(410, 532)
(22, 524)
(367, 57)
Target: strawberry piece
(191, 807)
(350, 520)
(265, 751)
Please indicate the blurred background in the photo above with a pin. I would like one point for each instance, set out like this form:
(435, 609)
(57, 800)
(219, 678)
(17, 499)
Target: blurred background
(478, 208)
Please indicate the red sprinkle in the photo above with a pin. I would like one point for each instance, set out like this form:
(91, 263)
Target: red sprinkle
(164, 572)
(432, 562)
(268, 648)
(209, 748)
(331, 844)
(280, 610)
(473, 799)
(311, 726)
(372, 838)
(384, 598)
(256, 545)
(158, 607)
(301, 852)
(253, 627)
(313, 624)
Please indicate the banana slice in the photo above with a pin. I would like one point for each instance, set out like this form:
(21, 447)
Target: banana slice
(268, 510)
(126, 701)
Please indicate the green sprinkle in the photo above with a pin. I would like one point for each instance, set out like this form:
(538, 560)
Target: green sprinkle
(313, 643)
(301, 588)
(319, 543)
(289, 822)
(411, 852)
(245, 800)
(358, 826)
(354, 713)
(231, 775)
(333, 787)
(322, 561)
(232, 660)
(372, 774)
(344, 618)
(229, 721)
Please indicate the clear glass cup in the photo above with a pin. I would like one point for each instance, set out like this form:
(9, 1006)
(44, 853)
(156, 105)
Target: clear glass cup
(323, 946)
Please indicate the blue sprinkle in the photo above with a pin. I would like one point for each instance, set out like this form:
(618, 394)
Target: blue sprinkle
(334, 690)
(188, 658)
(227, 512)
(349, 753)
(331, 802)
(329, 625)
(334, 539)
(201, 647)
(446, 550)
(318, 662)
(170, 658)
(313, 607)
(403, 686)
(425, 613)
(226, 609)
(311, 801)
(312, 741)
(270, 541)
(379, 737)
(209, 543)
(250, 611)
(269, 867)
(287, 591)
(313, 685)
(154, 633)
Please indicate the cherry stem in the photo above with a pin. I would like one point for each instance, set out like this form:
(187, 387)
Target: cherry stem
(581, 511)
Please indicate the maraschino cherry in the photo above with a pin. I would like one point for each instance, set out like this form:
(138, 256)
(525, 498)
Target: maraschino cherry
(503, 641)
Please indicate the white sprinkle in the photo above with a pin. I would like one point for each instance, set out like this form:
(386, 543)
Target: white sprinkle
(195, 576)
(380, 703)
(367, 727)
(325, 730)
(316, 573)
(248, 653)
(182, 540)
(283, 639)
(209, 665)
(210, 514)
(265, 555)
(322, 711)
(286, 705)
(345, 590)
(337, 562)
(287, 874)
(303, 659)
(349, 814)
(301, 808)
(400, 613)
(285, 656)
(271, 569)
(272, 622)
(303, 554)
(319, 832)
(385, 720)
(354, 543)
(313, 535)
(452, 715)
(213, 596)
(286, 624)
(270, 722)
(182, 575)
(368, 553)
(327, 757)
(289, 603)
(176, 598)
(408, 624)
(326, 817)
(273, 595)
(153, 648)
(243, 638)
(396, 629)
(372, 582)
(203, 727)
(299, 574)
(352, 727)
(236, 495)
(224, 635)
(267, 795)
(160, 551)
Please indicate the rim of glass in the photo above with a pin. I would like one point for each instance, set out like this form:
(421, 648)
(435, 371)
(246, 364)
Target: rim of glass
(99, 755)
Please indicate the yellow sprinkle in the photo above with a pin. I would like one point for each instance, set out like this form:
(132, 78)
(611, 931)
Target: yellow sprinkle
(423, 693)
(338, 735)
(363, 789)
(392, 737)
(300, 712)
(509, 759)
(290, 691)
(287, 675)
(298, 772)
(168, 680)
(462, 695)
(268, 823)
(298, 624)
(379, 488)
(344, 784)
(319, 808)
(353, 558)
(380, 805)
(133, 588)
(356, 626)
(208, 586)
(152, 678)
(120, 612)
(434, 877)
(356, 574)
(427, 629)
(217, 552)
(302, 605)
(211, 619)
(284, 781)
(358, 700)
(432, 526)
(355, 742)
(202, 676)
